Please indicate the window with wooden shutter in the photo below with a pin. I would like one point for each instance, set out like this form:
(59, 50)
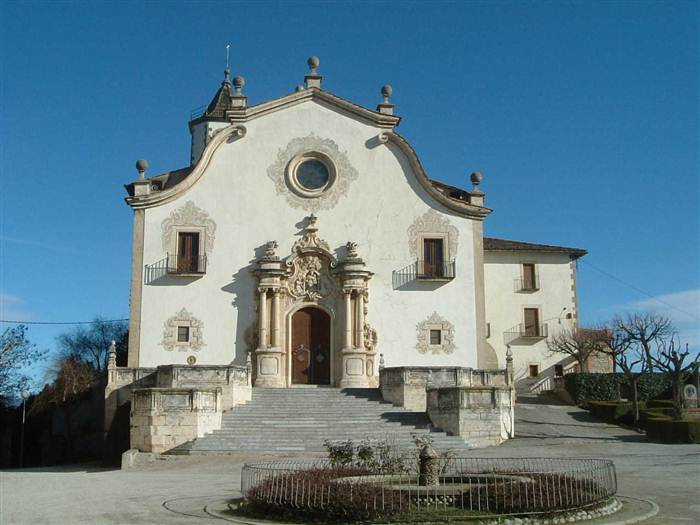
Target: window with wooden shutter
(188, 252)
(529, 277)
(433, 258)
(532, 322)
(435, 337)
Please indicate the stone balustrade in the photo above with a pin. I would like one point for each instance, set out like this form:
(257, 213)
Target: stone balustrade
(406, 386)
(163, 418)
(482, 415)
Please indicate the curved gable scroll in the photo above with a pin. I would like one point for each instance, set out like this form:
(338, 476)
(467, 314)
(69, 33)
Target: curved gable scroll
(227, 134)
(464, 209)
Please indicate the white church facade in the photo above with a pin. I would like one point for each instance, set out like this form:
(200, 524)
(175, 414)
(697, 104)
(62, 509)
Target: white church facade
(307, 238)
(305, 245)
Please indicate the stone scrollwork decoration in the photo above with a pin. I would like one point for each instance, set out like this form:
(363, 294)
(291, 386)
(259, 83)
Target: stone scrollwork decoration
(188, 215)
(345, 173)
(183, 318)
(370, 338)
(447, 335)
(308, 280)
(431, 222)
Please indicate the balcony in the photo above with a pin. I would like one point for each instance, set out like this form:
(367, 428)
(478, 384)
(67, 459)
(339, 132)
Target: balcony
(186, 265)
(523, 331)
(439, 271)
(527, 284)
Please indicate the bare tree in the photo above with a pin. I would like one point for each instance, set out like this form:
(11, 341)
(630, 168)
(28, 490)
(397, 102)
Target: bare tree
(579, 343)
(673, 363)
(90, 344)
(73, 378)
(645, 330)
(16, 352)
(628, 357)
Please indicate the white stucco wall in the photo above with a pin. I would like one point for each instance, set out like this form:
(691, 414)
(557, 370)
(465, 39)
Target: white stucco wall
(376, 212)
(505, 306)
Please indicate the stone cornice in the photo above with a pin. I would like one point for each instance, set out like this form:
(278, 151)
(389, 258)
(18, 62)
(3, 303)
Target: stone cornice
(318, 95)
(157, 198)
(462, 208)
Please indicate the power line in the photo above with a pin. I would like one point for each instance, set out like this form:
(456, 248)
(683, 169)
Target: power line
(639, 290)
(105, 321)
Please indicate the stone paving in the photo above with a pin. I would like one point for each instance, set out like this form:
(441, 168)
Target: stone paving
(176, 490)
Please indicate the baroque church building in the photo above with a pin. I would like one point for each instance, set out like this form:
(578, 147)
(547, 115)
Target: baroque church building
(307, 245)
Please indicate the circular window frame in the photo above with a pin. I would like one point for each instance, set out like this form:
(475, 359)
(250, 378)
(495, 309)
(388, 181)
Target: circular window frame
(297, 187)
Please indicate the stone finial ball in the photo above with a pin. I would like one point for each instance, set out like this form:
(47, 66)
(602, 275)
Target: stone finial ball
(313, 62)
(476, 177)
(239, 81)
(141, 165)
(387, 91)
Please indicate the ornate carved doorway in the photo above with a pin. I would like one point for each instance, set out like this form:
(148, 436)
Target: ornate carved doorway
(311, 342)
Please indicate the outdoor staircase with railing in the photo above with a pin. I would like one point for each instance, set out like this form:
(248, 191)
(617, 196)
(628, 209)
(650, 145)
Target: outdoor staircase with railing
(296, 420)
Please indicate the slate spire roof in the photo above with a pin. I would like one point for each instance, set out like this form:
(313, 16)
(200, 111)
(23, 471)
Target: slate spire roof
(223, 100)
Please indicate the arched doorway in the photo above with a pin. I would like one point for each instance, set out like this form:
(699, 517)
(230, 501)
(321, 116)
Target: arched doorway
(311, 347)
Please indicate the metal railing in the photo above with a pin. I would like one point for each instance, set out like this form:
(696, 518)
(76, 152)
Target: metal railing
(526, 331)
(464, 485)
(424, 271)
(527, 284)
(181, 264)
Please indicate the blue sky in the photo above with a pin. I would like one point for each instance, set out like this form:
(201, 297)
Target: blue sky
(582, 117)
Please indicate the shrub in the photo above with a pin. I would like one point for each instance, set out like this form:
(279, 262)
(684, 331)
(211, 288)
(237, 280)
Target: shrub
(375, 456)
(667, 430)
(649, 386)
(614, 411)
(584, 387)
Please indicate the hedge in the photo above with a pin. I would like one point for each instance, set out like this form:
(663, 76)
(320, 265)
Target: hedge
(614, 411)
(586, 387)
(667, 430)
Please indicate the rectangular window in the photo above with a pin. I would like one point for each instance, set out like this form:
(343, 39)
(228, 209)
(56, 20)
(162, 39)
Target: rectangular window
(433, 258)
(558, 370)
(529, 277)
(188, 252)
(532, 322)
(534, 370)
(183, 334)
(435, 337)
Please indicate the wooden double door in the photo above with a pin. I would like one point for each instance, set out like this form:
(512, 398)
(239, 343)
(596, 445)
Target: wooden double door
(311, 347)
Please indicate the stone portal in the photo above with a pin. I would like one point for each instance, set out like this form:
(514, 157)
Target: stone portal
(312, 316)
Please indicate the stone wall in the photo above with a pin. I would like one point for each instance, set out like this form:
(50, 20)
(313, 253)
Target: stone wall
(163, 418)
(482, 415)
(407, 386)
(232, 384)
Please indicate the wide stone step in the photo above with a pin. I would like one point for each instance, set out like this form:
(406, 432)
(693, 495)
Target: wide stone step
(301, 419)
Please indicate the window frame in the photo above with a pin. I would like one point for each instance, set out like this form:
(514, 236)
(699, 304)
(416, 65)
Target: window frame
(431, 331)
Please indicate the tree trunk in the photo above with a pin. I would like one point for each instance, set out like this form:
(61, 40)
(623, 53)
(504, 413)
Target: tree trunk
(635, 400)
(677, 388)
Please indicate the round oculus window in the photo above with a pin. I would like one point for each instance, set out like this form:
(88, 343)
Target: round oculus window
(312, 174)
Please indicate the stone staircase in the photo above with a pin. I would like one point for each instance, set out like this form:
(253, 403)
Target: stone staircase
(296, 420)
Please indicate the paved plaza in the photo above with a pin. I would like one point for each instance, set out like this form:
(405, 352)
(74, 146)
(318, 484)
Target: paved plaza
(175, 491)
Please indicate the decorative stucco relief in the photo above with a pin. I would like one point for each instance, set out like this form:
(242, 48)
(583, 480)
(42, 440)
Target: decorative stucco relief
(308, 281)
(447, 335)
(431, 222)
(345, 173)
(190, 216)
(183, 318)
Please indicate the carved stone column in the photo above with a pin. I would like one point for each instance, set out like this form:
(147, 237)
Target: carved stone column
(275, 337)
(262, 318)
(269, 357)
(347, 343)
(354, 278)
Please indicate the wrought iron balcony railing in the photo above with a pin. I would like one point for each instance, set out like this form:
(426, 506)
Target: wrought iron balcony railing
(425, 271)
(526, 331)
(186, 265)
(527, 284)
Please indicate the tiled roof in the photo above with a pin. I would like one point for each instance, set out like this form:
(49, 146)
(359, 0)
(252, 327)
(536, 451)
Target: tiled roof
(504, 245)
